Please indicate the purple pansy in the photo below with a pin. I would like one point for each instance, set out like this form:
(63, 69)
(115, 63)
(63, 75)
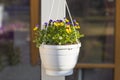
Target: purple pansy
(37, 25)
(45, 23)
(58, 20)
(61, 20)
(68, 23)
(74, 20)
(75, 25)
(50, 20)
(64, 17)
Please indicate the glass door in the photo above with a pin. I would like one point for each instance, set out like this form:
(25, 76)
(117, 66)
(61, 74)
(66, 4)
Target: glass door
(98, 58)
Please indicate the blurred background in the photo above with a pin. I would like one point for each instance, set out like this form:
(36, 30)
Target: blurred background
(15, 41)
(97, 21)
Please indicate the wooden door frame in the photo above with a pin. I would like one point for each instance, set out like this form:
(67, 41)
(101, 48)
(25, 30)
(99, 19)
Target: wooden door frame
(117, 42)
(35, 19)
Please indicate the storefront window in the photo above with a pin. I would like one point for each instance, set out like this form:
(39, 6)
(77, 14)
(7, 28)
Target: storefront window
(15, 41)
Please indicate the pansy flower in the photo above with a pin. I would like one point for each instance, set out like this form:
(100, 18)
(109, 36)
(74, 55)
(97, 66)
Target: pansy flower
(61, 20)
(77, 26)
(68, 24)
(74, 20)
(77, 23)
(61, 23)
(66, 20)
(45, 24)
(50, 21)
(56, 24)
(68, 30)
(36, 27)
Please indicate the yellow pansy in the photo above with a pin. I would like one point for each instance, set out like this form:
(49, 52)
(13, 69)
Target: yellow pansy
(55, 24)
(77, 27)
(67, 26)
(58, 24)
(66, 20)
(35, 28)
(61, 24)
(68, 29)
(77, 23)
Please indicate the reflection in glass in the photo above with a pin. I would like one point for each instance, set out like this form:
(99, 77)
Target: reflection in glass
(97, 74)
(14, 41)
(91, 74)
(96, 18)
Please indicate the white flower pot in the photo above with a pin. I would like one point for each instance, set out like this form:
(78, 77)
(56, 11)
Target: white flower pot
(59, 60)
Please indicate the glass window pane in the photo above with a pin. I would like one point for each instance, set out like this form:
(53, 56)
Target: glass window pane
(14, 41)
(96, 18)
(92, 74)
(97, 74)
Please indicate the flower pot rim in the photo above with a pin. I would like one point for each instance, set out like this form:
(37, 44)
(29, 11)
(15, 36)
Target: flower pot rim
(61, 46)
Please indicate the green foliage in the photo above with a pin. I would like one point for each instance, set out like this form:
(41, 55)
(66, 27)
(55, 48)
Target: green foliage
(57, 33)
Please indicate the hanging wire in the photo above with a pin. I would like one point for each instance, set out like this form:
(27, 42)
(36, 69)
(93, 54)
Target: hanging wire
(58, 8)
(51, 9)
(69, 12)
(71, 20)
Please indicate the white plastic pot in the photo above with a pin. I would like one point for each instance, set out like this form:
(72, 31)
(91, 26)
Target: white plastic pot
(59, 60)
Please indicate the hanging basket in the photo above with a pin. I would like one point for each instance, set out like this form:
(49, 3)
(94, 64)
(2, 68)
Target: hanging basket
(59, 60)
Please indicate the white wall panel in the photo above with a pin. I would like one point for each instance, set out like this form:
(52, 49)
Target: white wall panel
(45, 12)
